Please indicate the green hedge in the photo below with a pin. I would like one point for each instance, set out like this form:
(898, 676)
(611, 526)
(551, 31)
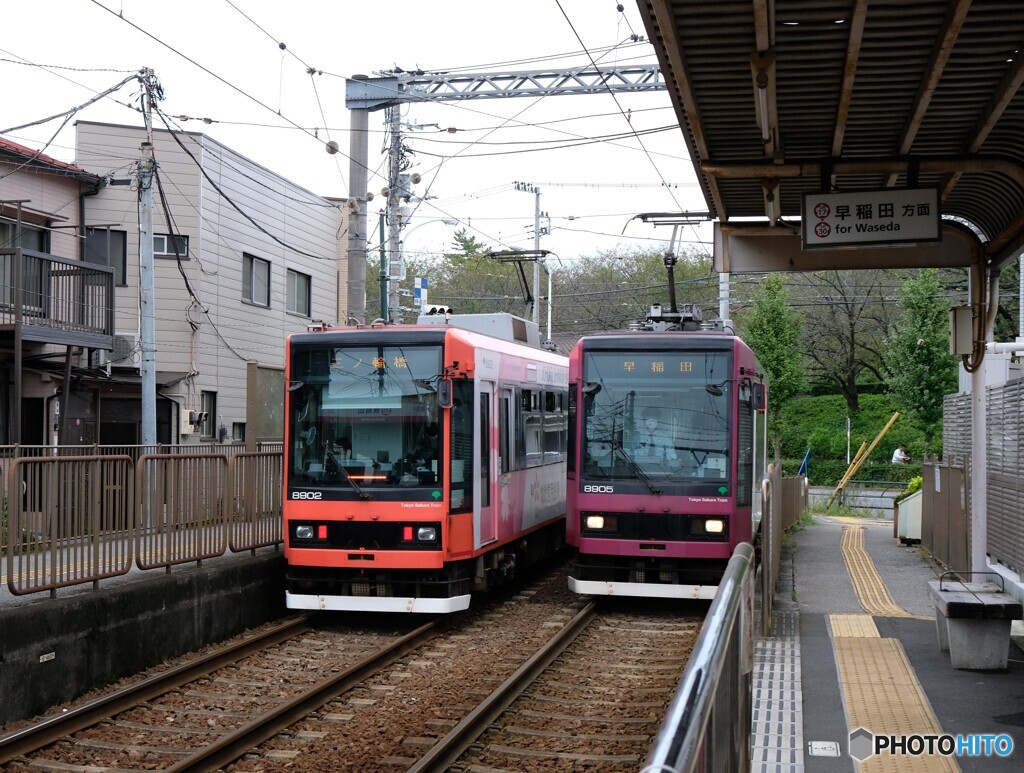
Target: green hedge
(819, 423)
(828, 472)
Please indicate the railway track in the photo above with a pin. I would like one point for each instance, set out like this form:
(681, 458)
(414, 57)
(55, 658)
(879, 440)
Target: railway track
(594, 696)
(534, 680)
(208, 712)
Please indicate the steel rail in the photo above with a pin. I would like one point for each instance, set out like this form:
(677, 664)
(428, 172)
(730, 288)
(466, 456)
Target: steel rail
(231, 746)
(446, 751)
(37, 736)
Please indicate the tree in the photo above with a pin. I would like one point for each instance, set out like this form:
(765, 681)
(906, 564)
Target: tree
(1007, 324)
(846, 317)
(772, 329)
(472, 283)
(922, 371)
(608, 290)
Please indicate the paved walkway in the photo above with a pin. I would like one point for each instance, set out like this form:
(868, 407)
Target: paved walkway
(853, 644)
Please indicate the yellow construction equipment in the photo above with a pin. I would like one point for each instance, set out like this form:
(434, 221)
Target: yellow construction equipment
(861, 457)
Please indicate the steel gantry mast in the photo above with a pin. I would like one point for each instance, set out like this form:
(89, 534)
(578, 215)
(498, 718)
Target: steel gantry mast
(364, 95)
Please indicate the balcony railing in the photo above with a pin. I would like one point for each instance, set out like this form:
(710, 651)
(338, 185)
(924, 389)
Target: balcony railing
(56, 300)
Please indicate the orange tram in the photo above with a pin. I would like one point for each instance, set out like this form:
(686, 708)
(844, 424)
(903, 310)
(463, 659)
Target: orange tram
(422, 462)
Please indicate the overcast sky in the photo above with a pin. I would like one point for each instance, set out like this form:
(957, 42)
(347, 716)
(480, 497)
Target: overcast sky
(56, 54)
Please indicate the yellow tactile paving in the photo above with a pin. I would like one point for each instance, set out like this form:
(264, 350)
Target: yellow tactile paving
(853, 625)
(868, 585)
(881, 693)
(859, 521)
(880, 689)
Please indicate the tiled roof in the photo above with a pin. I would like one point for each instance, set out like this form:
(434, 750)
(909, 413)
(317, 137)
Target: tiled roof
(37, 159)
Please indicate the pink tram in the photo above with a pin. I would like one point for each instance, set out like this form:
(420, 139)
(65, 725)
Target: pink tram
(667, 425)
(422, 462)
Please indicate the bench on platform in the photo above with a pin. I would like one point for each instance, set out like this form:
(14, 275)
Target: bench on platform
(973, 621)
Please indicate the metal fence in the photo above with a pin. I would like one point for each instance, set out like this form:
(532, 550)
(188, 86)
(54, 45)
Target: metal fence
(707, 727)
(1004, 486)
(945, 504)
(72, 519)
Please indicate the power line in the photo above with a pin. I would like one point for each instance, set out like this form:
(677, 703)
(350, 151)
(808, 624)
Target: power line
(228, 199)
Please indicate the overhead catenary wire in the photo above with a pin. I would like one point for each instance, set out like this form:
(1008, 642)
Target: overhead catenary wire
(209, 72)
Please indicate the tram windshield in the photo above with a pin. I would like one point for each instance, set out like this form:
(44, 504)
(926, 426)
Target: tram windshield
(657, 416)
(365, 415)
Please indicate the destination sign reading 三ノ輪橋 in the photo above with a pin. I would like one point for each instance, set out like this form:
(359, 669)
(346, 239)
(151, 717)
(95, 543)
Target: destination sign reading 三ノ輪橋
(889, 216)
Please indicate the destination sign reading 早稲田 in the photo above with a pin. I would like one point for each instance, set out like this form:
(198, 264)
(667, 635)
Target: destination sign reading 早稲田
(889, 216)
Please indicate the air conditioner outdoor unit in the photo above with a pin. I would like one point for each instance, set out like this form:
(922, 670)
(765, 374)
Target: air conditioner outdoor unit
(100, 357)
(125, 345)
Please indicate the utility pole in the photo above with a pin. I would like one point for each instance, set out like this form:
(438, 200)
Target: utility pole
(355, 296)
(530, 188)
(384, 315)
(395, 193)
(147, 291)
(536, 247)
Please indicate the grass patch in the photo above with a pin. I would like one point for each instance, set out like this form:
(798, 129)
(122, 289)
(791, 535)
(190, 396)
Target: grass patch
(806, 519)
(818, 508)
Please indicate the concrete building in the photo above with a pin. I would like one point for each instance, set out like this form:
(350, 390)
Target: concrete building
(257, 258)
(242, 258)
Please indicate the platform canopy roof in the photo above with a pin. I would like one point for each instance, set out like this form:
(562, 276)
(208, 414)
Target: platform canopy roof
(778, 98)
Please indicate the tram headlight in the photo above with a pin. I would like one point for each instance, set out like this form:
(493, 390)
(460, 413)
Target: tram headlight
(426, 534)
(304, 531)
(600, 522)
(714, 526)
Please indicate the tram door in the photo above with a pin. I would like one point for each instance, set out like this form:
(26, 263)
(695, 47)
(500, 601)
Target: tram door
(486, 467)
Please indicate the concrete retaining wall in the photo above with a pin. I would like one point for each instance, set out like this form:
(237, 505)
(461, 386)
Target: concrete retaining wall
(58, 649)
(878, 499)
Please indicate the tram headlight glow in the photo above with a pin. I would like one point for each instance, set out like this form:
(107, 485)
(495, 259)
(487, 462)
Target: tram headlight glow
(595, 522)
(714, 526)
(303, 531)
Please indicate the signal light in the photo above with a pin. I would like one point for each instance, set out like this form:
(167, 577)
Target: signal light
(321, 531)
(407, 533)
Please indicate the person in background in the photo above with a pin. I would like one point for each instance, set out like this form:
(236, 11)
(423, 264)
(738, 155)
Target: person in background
(900, 455)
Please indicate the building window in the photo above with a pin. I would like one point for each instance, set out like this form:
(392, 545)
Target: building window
(299, 293)
(208, 426)
(32, 238)
(238, 431)
(163, 246)
(106, 247)
(255, 280)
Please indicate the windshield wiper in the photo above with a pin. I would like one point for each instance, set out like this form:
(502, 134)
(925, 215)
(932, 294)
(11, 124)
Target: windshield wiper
(344, 473)
(635, 467)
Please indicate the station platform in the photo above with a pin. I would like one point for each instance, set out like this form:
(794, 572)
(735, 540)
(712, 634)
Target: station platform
(853, 644)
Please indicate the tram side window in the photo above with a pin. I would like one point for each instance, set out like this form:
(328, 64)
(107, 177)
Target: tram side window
(571, 447)
(504, 452)
(485, 450)
(744, 455)
(555, 426)
(532, 428)
(462, 447)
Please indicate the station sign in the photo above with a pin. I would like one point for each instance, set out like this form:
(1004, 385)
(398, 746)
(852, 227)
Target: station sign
(877, 218)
